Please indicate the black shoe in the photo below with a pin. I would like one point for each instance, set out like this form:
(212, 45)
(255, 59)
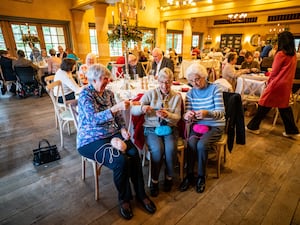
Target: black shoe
(200, 185)
(168, 185)
(154, 189)
(126, 211)
(187, 181)
(148, 205)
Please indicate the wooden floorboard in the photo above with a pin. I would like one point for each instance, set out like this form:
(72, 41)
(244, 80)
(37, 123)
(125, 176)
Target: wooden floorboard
(259, 183)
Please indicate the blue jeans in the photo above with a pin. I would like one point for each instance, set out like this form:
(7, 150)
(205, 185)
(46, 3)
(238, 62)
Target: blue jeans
(124, 166)
(161, 147)
(198, 147)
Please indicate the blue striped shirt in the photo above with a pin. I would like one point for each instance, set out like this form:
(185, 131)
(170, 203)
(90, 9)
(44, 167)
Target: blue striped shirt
(209, 98)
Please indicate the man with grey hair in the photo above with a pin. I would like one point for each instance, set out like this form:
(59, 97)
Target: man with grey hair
(160, 61)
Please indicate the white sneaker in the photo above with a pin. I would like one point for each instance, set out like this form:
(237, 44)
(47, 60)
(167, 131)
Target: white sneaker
(291, 135)
(252, 131)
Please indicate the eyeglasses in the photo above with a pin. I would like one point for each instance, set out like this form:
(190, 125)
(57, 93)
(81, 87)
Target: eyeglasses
(195, 80)
(165, 82)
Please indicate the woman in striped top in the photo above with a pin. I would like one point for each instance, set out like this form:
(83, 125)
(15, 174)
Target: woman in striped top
(204, 111)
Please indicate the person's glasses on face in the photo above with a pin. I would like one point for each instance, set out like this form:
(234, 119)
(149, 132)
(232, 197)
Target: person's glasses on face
(196, 80)
(167, 83)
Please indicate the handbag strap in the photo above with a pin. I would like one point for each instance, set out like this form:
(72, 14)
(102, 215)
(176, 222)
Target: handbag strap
(44, 140)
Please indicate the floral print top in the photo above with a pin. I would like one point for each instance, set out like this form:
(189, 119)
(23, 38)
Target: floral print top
(95, 120)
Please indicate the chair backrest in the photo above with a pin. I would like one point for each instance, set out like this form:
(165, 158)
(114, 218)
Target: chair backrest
(117, 71)
(53, 90)
(146, 67)
(252, 89)
(73, 109)
(25, 74)
(49, 79)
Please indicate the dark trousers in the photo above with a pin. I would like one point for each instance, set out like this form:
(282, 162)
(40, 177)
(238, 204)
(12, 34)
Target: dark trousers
(198, 147)
(124, 166)
(286, 116)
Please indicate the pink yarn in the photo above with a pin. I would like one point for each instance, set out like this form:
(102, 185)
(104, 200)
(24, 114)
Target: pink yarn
(201, 129)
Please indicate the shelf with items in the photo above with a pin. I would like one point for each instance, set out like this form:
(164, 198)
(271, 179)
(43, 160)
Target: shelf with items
(231, 41)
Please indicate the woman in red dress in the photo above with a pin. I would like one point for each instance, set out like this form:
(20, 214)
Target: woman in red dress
(277, 93)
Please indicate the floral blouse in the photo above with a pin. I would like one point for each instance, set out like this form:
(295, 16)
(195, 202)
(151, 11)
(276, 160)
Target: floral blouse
(95, 120)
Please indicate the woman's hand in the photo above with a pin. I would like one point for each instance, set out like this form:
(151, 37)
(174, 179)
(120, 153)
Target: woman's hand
(146, 109)
(162, 113)
(189, 115)
(200, 114)
(120, 106)
(125, 134)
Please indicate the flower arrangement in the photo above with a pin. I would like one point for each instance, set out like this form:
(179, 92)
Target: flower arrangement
(125, 33)
(30, 38)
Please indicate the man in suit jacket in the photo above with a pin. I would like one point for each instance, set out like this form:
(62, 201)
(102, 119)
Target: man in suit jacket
(160, 61)
(134, 67)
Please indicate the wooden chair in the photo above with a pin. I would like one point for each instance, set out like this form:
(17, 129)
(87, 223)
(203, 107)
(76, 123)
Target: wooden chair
(146, 67)
(220, 146)
(63, 114)
(117, 71)
(96, 166)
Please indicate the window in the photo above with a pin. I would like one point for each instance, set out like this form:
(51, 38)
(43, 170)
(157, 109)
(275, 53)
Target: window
(174, 41)
(2, 42)
(18, 31)
(196, 40)
(93, 40)
(53, 36)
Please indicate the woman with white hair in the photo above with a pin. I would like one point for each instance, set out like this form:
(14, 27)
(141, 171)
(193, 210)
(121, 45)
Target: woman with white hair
(161, 106)
(90, 60)
(204, 112)
(100, 125)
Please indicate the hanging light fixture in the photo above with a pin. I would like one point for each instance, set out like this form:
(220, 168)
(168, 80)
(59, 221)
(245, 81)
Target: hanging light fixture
(237, 17)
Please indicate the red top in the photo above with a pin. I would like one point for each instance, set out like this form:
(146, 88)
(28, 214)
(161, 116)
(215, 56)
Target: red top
(277, 93)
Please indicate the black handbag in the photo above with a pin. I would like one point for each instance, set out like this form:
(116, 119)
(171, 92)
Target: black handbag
(45, 154)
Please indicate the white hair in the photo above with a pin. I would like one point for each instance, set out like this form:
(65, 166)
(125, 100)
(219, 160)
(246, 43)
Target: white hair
(197, 69)
(96, 71)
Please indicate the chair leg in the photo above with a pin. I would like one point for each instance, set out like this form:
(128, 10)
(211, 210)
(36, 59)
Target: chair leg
(82, 168)
(219, 149)
(149, 167)
(275, 117)
(95, 171)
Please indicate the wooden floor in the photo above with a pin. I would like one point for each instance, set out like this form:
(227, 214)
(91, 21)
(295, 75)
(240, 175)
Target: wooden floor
(259, 184)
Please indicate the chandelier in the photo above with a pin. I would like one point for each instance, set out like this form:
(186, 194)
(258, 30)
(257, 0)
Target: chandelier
(237, 17)
(177, 4)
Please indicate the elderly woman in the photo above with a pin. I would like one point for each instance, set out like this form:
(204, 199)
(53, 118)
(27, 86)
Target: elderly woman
(229, 72)
(90, 60)
(99, 122)
(64, 74)
(161, 106)
(204, 111)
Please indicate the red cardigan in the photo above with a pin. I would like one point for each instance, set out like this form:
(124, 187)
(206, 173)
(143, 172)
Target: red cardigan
(278, 90)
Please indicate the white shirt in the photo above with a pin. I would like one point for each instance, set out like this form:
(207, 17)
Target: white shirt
(68, 83)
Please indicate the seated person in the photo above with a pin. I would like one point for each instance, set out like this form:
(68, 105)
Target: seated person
(100, 120)
(53, 62)
(160, 61)
(250, 64)
(204, 109)
(229, 72)
(90, 59)
(35, 54)
(69, 85)
(134, 67)
(7, 71)
(43, 57)
(161, 106)
(241, 57)
(256, 57)
(22, 62)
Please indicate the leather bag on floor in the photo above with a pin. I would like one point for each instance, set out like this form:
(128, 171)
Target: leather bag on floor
(44, 154)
